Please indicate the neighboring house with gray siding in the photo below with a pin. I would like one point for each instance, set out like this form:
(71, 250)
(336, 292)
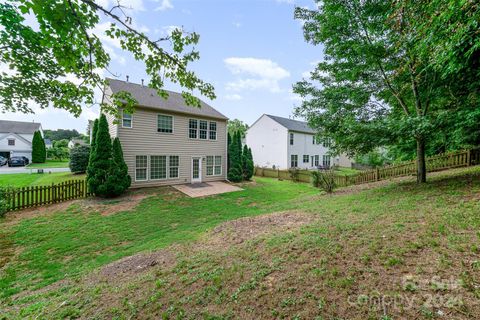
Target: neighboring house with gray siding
(16, 138)
(285, 143)
(166, 142)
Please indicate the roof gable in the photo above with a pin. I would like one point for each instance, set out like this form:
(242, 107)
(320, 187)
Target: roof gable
(148, 97)
(19, 127)
(293, 125)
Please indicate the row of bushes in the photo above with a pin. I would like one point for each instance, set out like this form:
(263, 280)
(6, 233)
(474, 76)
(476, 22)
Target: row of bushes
(324, 179)
(240, 160)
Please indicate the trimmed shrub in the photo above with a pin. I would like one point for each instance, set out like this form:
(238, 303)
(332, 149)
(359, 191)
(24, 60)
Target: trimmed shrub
(39, 151)
(100, 163)
(118, 181)
(79, 157)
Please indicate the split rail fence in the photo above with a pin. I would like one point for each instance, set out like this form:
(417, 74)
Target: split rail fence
(445, 161)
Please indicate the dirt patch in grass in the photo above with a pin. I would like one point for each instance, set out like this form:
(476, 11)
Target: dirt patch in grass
(238, 231)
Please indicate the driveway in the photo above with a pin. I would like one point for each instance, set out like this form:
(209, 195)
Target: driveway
(9, 170)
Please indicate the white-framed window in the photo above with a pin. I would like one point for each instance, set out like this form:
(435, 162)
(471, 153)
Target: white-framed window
(313, 139)
(173, 163)
(203, 125)
(214, 165)
(317, 160)
(158, 167)
(192, 128)
(294, 161)
(327, 143)
(164, 123)
(291, 138)
(326, 160)
(212, 134)
(306, 157)
(141, 168)
(11, 142)
(126, 120)
(313, 160)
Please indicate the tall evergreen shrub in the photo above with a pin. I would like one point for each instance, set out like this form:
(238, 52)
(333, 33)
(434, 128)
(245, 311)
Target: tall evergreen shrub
(118, 180)
(101, 160)
(39, 151)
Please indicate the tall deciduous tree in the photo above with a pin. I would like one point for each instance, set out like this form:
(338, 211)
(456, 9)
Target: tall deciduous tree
(236, 125)
(376, 85)
(66, 44)
(39, 151)
(100, 164)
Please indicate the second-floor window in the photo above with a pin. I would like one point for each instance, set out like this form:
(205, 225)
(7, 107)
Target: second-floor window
(126, 120)
(291, 139)
(213, 131)
(327, 143)
(192, 128)
(203, 129)
(293, 160)
(164, 123)
(11, 142)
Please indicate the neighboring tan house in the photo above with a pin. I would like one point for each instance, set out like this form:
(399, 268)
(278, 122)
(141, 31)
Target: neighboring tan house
(167, 142)
(16, 138)
(74, 142)
(285, 143)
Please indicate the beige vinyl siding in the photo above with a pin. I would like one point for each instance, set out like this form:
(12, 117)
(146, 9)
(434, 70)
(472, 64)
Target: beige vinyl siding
(112, 127)
(143, 139)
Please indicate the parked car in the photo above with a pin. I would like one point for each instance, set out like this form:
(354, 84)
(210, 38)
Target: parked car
(3, 161)
(16, 162)
(26, 160)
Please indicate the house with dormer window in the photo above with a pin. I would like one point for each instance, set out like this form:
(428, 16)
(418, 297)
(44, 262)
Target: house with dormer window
(167, 142)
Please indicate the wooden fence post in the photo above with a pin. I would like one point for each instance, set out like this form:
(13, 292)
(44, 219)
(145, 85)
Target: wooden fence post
(377, 174)
(468, 158)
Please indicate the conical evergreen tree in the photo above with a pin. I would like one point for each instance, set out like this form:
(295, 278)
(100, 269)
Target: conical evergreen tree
(39, 152)
(247, 163)
(235, 173)
(229, 142)
(101, 161)
(118, 180)
(92, 149)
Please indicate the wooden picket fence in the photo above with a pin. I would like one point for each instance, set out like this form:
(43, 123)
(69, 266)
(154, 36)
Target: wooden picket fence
(33, 196)
(445, 161)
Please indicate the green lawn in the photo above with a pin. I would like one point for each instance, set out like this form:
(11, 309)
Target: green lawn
(50, 164)
(359, 243)
(343, 171)
(37, 179)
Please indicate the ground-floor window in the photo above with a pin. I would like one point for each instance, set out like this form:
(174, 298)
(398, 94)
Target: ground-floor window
(141, 165)
(293, 160)
(156, 167)
(317, 160)
(305, 158)
(214, 165)
(326, 160)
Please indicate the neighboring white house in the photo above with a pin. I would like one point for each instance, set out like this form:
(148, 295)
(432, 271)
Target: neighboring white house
(76, 142)
(16, 138)
(285, 143)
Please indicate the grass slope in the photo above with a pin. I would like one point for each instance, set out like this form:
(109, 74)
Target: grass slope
(50, 164)
(396, 251)
(37, 179)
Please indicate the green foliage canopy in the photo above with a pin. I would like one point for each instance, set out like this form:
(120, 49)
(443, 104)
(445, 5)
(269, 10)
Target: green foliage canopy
(65, 44)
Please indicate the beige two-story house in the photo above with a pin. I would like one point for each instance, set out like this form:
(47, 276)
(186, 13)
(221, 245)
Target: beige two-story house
(167, 142)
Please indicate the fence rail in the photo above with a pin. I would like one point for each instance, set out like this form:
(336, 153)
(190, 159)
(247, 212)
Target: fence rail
(445, 161)
(33, 196)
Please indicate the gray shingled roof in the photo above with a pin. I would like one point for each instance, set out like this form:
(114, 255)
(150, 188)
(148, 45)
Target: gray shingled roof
(293, 125)
(147, 97)
(19, 126)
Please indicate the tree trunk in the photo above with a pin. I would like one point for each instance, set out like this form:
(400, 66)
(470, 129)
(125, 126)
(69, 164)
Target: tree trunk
(421, 164)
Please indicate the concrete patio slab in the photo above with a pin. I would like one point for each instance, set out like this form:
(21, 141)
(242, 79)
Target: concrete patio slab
(204, 189)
